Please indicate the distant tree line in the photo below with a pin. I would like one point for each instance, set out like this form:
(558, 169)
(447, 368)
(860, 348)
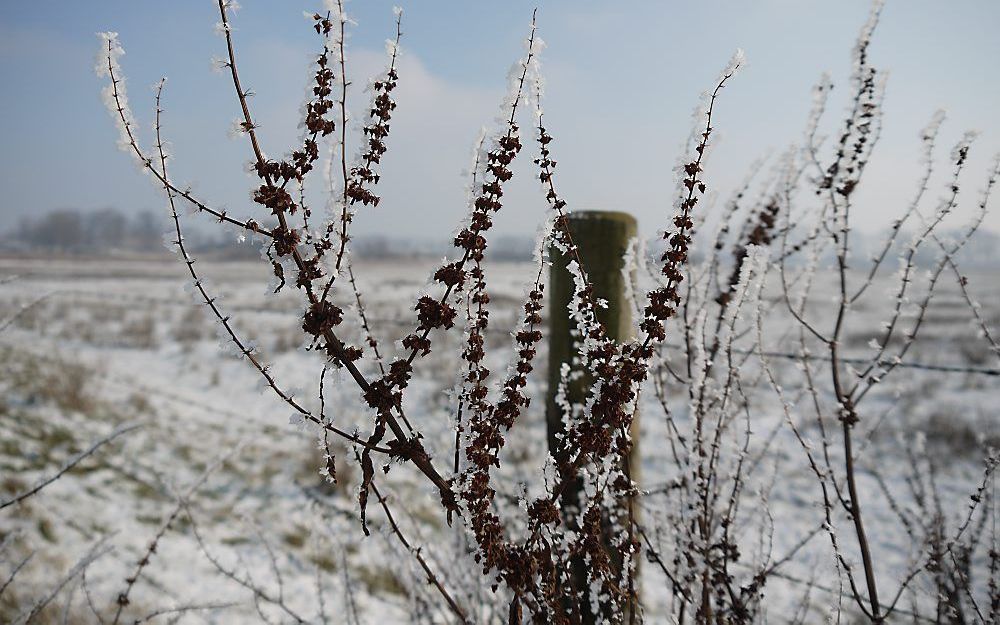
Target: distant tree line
(111, 230)
(75, 231)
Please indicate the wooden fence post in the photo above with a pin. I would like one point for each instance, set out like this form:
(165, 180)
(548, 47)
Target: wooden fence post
(602, 237)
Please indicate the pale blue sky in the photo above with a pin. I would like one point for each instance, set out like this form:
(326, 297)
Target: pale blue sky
(622, 79)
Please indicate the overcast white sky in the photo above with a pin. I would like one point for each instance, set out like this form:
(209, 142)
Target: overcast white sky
(622, 79)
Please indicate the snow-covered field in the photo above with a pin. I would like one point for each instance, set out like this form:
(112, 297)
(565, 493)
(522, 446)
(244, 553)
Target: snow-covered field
(95, 344)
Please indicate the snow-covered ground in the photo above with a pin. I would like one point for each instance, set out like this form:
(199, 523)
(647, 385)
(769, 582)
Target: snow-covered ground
(94, 344)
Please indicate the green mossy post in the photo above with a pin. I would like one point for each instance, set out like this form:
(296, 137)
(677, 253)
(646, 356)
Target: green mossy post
(602, 238)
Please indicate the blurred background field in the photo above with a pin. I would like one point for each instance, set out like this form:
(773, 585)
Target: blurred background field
(90, 344)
